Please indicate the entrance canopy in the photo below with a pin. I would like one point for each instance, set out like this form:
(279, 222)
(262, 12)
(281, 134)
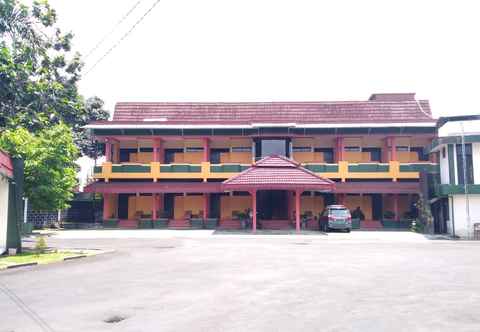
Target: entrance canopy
(278, 173)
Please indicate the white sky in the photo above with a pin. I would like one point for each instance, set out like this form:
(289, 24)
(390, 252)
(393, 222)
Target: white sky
(264, 50)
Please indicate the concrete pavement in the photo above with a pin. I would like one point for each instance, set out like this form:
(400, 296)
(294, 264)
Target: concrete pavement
(181, 281)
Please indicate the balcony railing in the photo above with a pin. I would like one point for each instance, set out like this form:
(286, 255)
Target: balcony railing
(205, 171)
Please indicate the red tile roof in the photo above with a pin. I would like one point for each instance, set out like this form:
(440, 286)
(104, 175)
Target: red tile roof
(380, 108)
(277, 172)
(6, 167)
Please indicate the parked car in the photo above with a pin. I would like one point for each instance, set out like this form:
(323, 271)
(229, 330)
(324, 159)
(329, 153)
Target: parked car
(335, 217)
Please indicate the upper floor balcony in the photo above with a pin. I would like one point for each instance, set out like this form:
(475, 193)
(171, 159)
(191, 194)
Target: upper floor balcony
(342, 158)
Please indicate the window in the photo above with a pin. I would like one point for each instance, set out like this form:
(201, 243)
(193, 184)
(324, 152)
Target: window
(302, 149)
(272, 146)
(193, 149)
(375, 153)
(401, 148)
(444, 152)
(422, 156)
(461, 175)
(327, 154)
(242, 149)
(352, 149)
(215, 155)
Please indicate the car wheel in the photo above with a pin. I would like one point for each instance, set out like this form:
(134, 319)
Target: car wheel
(348, 230)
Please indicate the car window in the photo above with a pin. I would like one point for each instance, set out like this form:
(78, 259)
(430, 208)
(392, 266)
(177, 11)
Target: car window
(339, 212)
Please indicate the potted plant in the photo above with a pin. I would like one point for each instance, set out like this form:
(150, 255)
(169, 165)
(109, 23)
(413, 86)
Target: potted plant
(388, 220)
(196, 222)
(111, 222)
(211, 223)
(161, 222)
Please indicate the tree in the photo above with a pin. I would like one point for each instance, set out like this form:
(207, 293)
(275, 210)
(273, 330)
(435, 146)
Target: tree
(50, 169)
(39, 73)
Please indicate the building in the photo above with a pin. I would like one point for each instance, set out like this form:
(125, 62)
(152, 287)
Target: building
(11, 191)
(457, 192)
(285, 160)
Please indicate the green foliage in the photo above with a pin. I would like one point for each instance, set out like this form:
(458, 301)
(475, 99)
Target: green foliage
(50, 170)
(424, 222)
(40, 246)
(39, 73)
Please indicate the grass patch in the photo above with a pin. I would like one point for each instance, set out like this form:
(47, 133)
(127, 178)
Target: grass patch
(30, 257)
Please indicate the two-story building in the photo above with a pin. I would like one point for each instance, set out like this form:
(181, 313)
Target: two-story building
(282, 160)
(458, 188)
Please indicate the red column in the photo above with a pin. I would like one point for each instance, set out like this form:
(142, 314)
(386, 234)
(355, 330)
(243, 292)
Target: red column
(254, 211)
(154, 205)
(108, 151)
(206, 198)
(298, 194)
(106, 206)
(206, 149)
(393, 145)
(339, 149)
(155, 149)
(395, 206)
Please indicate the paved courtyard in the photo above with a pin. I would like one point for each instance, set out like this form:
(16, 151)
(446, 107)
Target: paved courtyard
(196, 281)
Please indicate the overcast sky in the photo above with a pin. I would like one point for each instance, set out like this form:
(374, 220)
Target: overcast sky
(273, 50)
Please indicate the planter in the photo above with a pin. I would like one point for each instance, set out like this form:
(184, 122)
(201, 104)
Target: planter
(110, 223)
(145, 224)
(160, 223)
(390, 223)
(27, 228)
(211, 223)
(355, 223)
(196, 223)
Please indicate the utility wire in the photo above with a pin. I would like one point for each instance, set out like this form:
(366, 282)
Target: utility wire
(26, 310)
(124, 17)
(123, 37)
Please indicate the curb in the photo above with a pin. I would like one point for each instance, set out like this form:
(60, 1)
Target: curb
(74, 257)
(21, 265)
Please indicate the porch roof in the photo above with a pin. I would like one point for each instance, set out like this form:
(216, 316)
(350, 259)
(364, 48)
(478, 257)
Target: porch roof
(278, 172)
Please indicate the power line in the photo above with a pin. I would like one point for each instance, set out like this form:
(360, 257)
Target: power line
(123, 37)
(26, 309)
(100, 42)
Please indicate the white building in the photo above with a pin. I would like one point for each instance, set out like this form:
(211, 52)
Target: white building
(459, 187)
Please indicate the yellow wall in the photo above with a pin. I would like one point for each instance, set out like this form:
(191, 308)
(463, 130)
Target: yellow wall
(141, 157)
(365, 203)
(141, 204)
(313, 204)
(187, 203)
(192, 157)
(403, 204)
(113, 205)
(236, 157)
(228, 204)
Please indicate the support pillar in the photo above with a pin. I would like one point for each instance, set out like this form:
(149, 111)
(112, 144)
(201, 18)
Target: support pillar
(339, 149)
(395, 206)
(155, 206)
(206, 149)
(254, 211)
(108, 151)
(206, 201)
(390, 151)
(298, 194)
(106, 206)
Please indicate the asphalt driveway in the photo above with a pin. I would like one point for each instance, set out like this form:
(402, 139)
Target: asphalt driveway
(196, 281)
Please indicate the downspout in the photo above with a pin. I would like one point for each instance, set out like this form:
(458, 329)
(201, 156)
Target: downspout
(453, 217)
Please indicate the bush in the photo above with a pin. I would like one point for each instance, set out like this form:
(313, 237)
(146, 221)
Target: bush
(40, 245)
